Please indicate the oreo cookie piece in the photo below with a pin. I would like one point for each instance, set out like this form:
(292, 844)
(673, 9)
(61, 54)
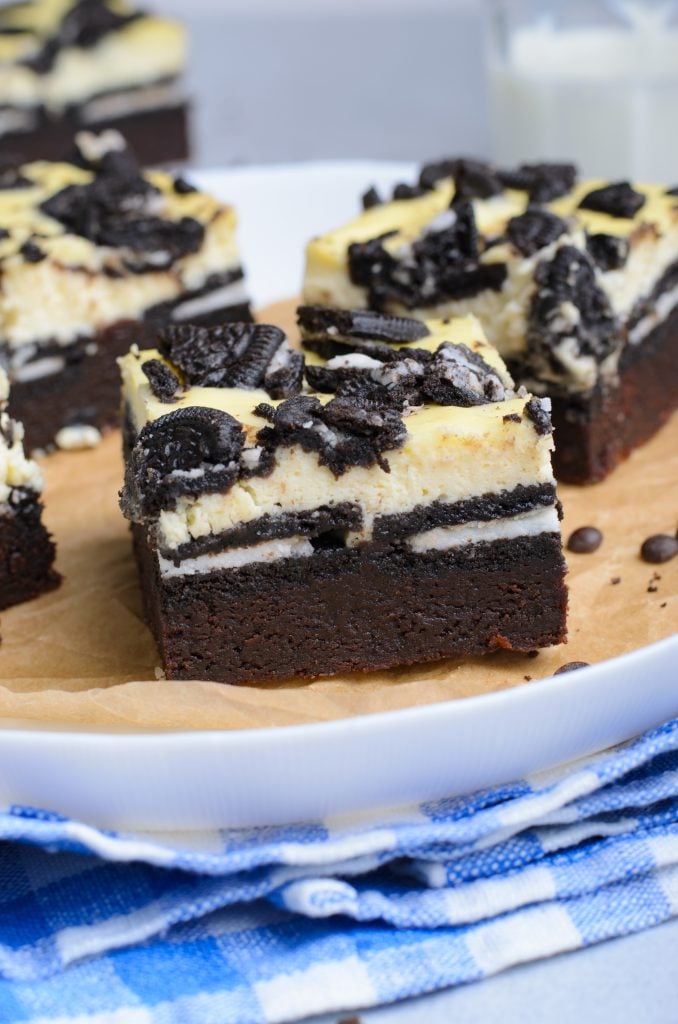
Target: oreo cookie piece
(534, 229)
(371, 198)
(32, 252)
(617, 200)
(83, 25)
(473, 179)
(163, 382)
(568, 307)
(610, 252)
(285, 373)
(11, 176)
(315, 321)
(230, 355)
(190, 451)
(459, 376)
(343, 433)
(543, 182)
(539, 415)
(153, 243)
(183, 187)
(404, 191)
(672, 191)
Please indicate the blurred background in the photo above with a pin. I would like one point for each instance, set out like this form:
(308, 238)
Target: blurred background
(591, 80)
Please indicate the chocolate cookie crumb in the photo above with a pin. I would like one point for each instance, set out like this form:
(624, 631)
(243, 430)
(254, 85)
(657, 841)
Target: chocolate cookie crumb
(512, 417)
(163, 381)
(663, 604)
(533, 654)
(609, 252)
(534, 229)
(585, 540)
(660, 547)
(535, 411)
(617, 200)
(652, 588)
(32, 253)
(528, 679)
(571, 666)
(183, 187)
(371, 198)
(615, 580)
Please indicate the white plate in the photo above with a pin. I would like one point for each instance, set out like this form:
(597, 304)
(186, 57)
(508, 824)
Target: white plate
(275, 776)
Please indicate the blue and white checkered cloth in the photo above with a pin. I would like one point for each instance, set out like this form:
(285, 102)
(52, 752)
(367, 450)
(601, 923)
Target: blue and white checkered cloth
(273, 924)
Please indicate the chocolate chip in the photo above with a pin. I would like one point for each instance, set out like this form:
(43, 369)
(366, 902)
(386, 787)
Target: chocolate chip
(660, 547)
(533, 230)
(542, 182)
(610, 252)
(585, 540)
(617, 200)
(359, 323)
(192, 450)
(535, 411)
(163, 382)
(32, 253)
(571, 666)
(229, 355)
(371, 198)
(183, 187)
(404, 191)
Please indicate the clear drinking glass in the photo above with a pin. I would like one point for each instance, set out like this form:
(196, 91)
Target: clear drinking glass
(592, 81)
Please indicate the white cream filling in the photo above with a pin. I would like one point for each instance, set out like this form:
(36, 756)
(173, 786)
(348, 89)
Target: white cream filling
(39, 368)
(16, 470)
(77, 437)
(131, 101)
(228, 295)
(664, 305)
(527, 524)
(235, 558)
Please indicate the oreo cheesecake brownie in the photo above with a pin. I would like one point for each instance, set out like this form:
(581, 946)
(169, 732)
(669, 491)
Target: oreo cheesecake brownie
(26, 548)
(386, 499)
(92, 258)
(575, 283)
(68, 65)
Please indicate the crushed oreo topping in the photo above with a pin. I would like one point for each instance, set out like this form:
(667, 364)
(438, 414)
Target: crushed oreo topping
(11, 176)
(341, 432)
(189, 451)
(617, 200)
(183, 187)
(83, 25)
(512, 417)
(233, 355)
(163, 382)
(609, 252)
(473, 179)
(543, 182)
(443, 263)
(404, 191)
(359, 323)
(534, 229)
(459, 376)
(119, 208)
(539, 415)
(4, 233)
(371, 198)
(32, 252)
(672, 191)
(570, 309)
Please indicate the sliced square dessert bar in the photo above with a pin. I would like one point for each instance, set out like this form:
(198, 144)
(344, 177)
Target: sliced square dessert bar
(67, 65)
(576, 285)
(26, 548)
(91, 258)
(398, 506)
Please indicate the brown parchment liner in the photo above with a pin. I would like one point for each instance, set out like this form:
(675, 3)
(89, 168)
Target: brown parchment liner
(83, 656)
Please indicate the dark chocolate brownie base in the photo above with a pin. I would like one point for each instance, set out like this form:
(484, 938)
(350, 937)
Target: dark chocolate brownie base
(592, 436)
(156, 136)
(26, 554)
(354, 609)
(87, 390)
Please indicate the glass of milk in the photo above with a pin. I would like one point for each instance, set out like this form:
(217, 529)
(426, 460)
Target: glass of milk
(590, 81)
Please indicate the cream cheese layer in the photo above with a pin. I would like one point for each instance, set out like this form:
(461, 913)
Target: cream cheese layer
(143, 51)
(450, 454)
(84, 287)
(652, 236)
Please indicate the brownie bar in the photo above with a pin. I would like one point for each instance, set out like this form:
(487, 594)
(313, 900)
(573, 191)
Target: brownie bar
(572, 280)
(396, 506)
(27, 552)
(156, 136)
(368, 609)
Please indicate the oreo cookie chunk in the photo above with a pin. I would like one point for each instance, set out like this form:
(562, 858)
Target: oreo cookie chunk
(617, 200)
(543, 182)
(442, 264)
(473, 179)
(330, 332)
(163, 382)
(534, 230)
(342, 432)
(610, 252)
(233, 355)
(193, 450)
(459, 376)
(569, 317)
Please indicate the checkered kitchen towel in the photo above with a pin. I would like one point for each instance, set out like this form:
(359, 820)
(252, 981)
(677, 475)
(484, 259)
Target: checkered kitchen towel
(273, 924)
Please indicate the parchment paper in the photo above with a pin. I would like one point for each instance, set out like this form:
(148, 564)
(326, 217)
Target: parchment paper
(83, 656)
